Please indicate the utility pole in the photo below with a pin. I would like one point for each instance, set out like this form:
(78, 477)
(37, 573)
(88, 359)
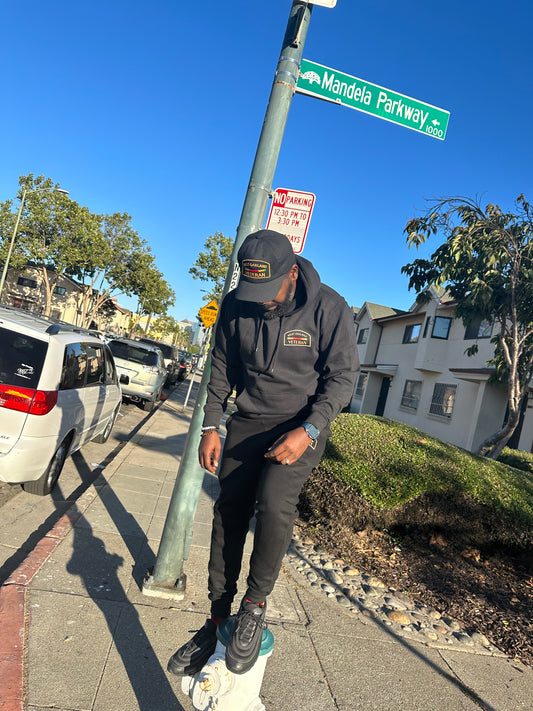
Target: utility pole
(167, 579)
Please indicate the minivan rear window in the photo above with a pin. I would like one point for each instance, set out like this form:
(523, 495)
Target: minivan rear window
(21, 358)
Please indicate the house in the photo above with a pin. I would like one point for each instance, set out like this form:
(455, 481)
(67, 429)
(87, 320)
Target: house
(25, 289)
(414, 369)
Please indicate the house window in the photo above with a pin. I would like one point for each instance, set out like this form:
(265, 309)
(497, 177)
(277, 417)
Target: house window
(24, 281)
(363, 335)
(441, 327)
(361, 384)
(412, 333)
(443, 400)
(478, 329)
(411, 394)
(60, 290)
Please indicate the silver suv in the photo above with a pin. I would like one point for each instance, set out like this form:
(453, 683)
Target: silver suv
(145, 367)
(171, 356)
(58, 390)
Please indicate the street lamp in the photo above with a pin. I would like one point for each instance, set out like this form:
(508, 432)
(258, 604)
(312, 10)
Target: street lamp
(12, 242)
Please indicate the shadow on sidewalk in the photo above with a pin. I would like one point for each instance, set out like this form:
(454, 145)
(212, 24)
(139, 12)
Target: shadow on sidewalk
(88, 477)
(101, 580)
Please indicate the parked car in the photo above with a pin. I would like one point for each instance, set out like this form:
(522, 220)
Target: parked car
(58, 390)
(186, 359)
(145, 367)
(171, 356)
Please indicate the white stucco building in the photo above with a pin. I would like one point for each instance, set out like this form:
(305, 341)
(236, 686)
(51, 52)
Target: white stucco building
(414, 369)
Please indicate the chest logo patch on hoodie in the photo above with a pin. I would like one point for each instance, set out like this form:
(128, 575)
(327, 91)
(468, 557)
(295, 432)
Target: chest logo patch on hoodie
(255, 269)
(297, 338)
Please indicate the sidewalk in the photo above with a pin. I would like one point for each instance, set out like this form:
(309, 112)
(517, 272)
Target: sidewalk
(77, 634)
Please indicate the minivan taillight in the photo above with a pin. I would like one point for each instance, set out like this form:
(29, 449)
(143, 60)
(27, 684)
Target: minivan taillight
(34, 402)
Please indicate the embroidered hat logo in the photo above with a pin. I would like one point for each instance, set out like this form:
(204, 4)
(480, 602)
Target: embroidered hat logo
(255, 269)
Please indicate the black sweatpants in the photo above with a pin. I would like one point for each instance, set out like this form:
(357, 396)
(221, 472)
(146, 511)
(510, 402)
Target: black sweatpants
(250, 484)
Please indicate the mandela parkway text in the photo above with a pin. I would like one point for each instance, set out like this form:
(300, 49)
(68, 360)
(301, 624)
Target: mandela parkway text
(384, 104)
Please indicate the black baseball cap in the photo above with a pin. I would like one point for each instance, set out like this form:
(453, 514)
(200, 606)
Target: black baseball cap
(265, 259)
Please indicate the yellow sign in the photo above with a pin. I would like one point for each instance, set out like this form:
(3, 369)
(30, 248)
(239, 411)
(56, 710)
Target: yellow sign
(209, 313)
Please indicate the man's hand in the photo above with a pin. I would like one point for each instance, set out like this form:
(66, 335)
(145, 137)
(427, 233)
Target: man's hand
(209, 451)
(289, 447)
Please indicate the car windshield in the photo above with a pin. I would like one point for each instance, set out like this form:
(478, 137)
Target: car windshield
(126, 351)
(21, 358)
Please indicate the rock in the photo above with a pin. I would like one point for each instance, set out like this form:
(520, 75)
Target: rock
(375, 582)
(335, 578)
(394, 602)
(400, 617)
(351, 572)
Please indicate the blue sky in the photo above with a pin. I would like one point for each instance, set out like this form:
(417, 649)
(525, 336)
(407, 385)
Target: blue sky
(155, 109)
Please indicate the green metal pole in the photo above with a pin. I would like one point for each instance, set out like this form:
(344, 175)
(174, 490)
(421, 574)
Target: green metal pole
(167, 579)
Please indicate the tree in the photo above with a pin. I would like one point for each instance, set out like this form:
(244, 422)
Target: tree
(49, 223)
(213, 264)
(117, 261)
(486, 264)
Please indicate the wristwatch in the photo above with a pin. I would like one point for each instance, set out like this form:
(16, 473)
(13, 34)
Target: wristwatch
(311, 430)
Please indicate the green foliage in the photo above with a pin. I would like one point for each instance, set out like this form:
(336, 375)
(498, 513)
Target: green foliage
(486, 264)
(390, 463)
(103, 252)
(213, 264)
(517, 459)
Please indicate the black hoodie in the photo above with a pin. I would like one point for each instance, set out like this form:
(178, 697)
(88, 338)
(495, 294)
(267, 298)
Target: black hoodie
(303, 363)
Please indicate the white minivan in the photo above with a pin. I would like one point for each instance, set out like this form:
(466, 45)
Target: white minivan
(58, 390)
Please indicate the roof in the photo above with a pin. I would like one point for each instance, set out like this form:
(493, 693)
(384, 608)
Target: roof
(376, 311)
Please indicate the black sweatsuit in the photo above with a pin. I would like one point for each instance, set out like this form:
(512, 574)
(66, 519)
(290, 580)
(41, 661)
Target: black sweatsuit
(297, 368)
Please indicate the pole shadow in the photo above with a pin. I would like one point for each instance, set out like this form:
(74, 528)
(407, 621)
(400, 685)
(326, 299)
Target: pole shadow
(101, 580)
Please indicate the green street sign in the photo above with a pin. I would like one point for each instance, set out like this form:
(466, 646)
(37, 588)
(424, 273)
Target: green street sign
(339, 88)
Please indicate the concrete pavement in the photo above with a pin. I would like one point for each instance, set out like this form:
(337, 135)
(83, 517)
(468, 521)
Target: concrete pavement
(77, 633)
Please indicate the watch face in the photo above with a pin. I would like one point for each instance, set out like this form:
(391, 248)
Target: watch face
(312, 431)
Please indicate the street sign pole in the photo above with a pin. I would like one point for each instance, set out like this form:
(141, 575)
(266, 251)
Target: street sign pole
(167, 579)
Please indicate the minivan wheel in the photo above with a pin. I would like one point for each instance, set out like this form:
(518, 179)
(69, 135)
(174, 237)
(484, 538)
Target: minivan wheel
(44, 485)
(148, 405)
(104, 436)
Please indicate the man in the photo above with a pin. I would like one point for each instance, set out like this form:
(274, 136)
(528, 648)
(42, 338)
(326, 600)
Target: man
(286, 344)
